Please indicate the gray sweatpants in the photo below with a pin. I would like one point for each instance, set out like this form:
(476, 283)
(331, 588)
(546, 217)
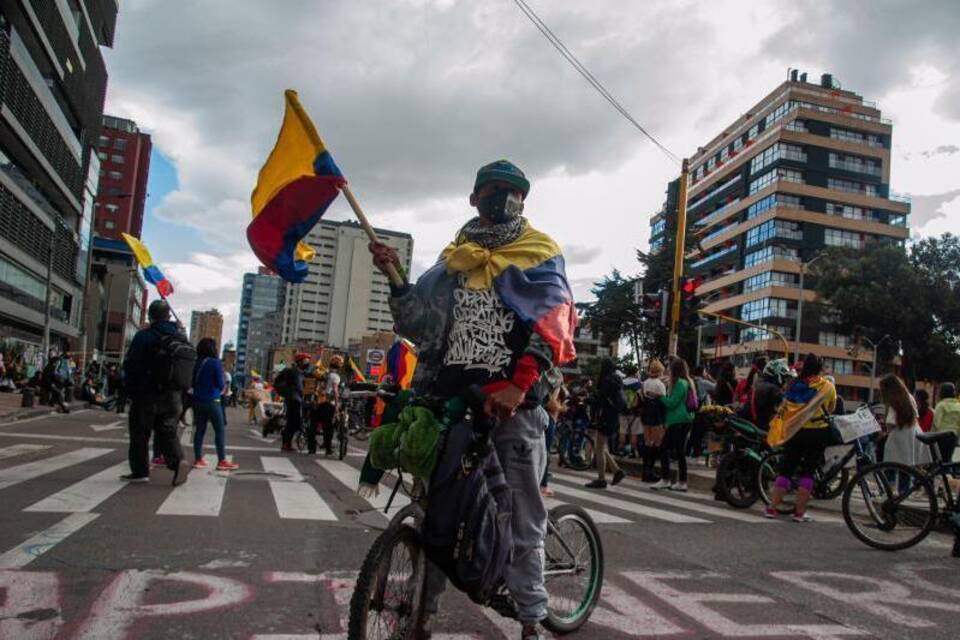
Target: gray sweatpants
(523, 456)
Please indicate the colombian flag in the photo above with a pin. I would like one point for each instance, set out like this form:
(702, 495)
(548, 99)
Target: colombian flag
(151, 272)
(401, 361)
(294, 189)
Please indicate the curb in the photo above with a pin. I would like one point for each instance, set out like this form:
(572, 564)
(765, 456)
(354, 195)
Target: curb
(35, 412)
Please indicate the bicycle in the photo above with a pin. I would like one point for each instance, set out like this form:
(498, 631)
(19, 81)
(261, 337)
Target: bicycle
(390, 590)
(574, 446)
(744, 445)
(900, 500)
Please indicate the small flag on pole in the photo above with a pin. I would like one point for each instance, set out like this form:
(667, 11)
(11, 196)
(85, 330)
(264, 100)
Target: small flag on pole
(151, 272)
(296, 185)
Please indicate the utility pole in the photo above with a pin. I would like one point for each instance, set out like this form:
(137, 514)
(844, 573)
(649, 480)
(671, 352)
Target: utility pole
(681, 240)
(46, 305)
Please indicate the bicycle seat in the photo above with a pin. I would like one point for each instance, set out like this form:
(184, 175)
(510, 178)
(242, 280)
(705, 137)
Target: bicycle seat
(935, 437)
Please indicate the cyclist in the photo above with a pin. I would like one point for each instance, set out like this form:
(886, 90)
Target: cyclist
(495, 311)
(803, 453)
(767, 392)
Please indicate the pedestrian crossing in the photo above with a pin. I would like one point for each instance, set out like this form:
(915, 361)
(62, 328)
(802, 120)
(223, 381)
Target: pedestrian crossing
(315, 489)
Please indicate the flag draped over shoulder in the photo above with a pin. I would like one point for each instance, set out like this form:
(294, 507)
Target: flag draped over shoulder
(529, 275)
(296, 185)
(151, 272)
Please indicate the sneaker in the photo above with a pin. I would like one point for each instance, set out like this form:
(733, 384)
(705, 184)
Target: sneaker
(660, 485)
(132, 478)
(596, 484)
(181, 473)
(226, 465)
(158, 461)
(679, 486)
(802, 517)
(618, 477)
(200, 463)
(770, 513)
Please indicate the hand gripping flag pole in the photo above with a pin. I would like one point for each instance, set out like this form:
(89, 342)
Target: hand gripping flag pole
(295, 187)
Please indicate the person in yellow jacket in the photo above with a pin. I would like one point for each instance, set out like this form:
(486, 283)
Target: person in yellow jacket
(803, 452)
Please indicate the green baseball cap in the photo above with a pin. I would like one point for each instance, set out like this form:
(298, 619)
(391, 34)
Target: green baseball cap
(502, 171)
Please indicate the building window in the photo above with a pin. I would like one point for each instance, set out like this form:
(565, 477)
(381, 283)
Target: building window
(754, 131)
(774, 229)
(109, 224)
(851, 212)
(838, 367)
(770, 279)
(840, 238)
(117, 158)
(103, 141)
(776, 152)
(115, 175)
(849, 186)
(777, 114)
(856, 137)
(800, 126)
(738, 144)
(102, 155)
(765, 308)
(831, 339)
(658, 227)
(120, 144)
(769, 177)
(854, 163)
(112, 208)
(770, 253)
(781, 199)
(711, 163)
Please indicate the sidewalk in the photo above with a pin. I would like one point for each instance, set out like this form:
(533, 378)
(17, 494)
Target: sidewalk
(11, 411)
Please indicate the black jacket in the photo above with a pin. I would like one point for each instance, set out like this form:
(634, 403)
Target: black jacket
(136, 364)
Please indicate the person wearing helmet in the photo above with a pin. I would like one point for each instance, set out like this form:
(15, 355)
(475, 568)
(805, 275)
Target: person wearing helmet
(767, 392)
(325, 410)
(154, 407)
(495, 311)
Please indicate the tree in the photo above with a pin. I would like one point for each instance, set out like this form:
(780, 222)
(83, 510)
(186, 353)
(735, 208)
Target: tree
(615, 314)
(882, 290)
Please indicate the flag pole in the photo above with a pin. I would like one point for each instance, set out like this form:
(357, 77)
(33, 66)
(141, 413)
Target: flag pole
(395, 278)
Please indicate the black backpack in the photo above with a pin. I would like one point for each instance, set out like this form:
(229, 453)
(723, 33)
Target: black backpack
(172, 362)
(284, 383)
(468, 530)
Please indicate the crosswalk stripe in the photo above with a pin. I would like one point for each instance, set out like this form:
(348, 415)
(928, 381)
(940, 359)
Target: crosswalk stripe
(25, 553)
(648, 496)
(630, 507)
(84, 496)
(202, 495)
(20, 449)
(598, 516)
(30, 470)
(350, 477)
(295, 499)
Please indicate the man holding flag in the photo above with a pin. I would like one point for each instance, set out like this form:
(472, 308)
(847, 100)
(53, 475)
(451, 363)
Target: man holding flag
(495, 311)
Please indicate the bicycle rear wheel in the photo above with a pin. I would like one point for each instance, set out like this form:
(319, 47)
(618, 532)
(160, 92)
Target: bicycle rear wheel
(573, 569)
(890, 506)
(578, 452)
(737, 480)
(387, 601)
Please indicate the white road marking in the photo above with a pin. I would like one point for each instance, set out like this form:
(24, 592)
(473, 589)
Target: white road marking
(350, 477)
(47, 436)
(295, 499)
(20, 449)
(650, 496)
(202, 495)
(598, 516)
(630, 507)
(25, 553)
(110, 426)
(84, 496)
(30, 470)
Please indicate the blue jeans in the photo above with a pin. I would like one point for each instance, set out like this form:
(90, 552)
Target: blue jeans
(212, 411)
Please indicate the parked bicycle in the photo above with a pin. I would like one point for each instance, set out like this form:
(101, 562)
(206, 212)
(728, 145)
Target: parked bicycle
(892, 506)
(744, 446)
(388, 599)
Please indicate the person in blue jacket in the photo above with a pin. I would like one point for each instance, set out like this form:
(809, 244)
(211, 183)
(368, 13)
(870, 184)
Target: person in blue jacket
(208, 384)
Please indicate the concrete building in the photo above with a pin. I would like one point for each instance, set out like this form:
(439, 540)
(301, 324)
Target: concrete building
(263, 334)
(370, 351)
(52, 86)
(206, 324)
(262, 294)
(229, 359)
(116, 300)
(589, 348)
(344, 297)
(124, 154)
(807, 167)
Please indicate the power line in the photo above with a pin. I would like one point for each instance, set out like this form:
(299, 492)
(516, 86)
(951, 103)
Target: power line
(589, 77)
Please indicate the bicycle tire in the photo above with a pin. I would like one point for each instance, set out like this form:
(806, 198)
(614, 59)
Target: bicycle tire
(300, 441)
(555, 622)
(370, 579)
(860, 481)
(737, 480)
(342, 445)
(583, 462)
(766, 473)
(835, 487)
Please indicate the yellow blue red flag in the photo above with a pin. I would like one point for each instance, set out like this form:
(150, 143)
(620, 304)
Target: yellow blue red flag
(296, 185)
(151, 272)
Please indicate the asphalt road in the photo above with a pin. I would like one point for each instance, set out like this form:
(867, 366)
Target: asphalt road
(270, 552)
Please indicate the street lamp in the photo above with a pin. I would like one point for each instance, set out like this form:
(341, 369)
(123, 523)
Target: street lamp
(873, 372)
(803, 270)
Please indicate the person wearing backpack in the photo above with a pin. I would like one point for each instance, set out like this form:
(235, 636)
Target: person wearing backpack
(610, 404)
(495, 312)
(681, 404)
(157, 368)
(53, 382)
(630, 424)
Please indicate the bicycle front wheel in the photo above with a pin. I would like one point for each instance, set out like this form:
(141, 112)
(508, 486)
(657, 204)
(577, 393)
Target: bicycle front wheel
(579, 453)
(890, 506)
(387, 601)
(573, 569)
(767, 474)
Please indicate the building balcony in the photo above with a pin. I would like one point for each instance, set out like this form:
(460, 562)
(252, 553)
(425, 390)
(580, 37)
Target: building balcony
(716, 215)
(710, 258)
(715, 191)
(719, 232)
(900, 197)
(855, 167)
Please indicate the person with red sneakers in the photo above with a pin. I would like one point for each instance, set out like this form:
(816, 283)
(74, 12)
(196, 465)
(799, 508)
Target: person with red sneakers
(208, 384)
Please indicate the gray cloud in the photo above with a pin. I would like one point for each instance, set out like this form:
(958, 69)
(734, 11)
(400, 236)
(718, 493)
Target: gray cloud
(927, 208)
(580, 254)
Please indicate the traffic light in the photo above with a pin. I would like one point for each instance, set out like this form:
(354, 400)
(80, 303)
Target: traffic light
(656, 307)
(691, 303)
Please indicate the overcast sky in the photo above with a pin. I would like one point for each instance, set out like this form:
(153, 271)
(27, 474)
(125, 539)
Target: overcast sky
(412, 96)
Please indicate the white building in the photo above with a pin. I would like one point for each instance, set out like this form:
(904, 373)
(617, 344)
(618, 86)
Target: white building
(343, 297)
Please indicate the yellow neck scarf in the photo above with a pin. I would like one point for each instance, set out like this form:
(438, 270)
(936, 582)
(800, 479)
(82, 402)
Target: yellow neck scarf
(480, 265)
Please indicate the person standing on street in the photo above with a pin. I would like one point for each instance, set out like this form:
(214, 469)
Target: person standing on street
(610, 405)
(326, 408)
(156, 369)
(53, 382)
(901, 425)
(924, 411)
(289, 386)
(679, 420)
(495, 311)
(947, 416)
(208, 385)
(652, 415)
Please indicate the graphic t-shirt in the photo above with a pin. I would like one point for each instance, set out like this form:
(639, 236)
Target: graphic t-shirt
(485, 341)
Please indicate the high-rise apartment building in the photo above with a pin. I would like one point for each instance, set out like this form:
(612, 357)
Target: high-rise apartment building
(52, 87)
(116, 300)
(124, 153)
(263, 335)
(344, 297)
(206, 324)
(807, 167)
(262, 294)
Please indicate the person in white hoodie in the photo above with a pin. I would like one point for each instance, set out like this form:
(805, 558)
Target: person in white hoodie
(901, 426)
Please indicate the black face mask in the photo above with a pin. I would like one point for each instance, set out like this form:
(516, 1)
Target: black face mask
(500, 206)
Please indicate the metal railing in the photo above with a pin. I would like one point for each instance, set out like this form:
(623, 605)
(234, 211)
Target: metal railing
(713, 256)
(705, 222)
(715, 191)
(857, 167)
